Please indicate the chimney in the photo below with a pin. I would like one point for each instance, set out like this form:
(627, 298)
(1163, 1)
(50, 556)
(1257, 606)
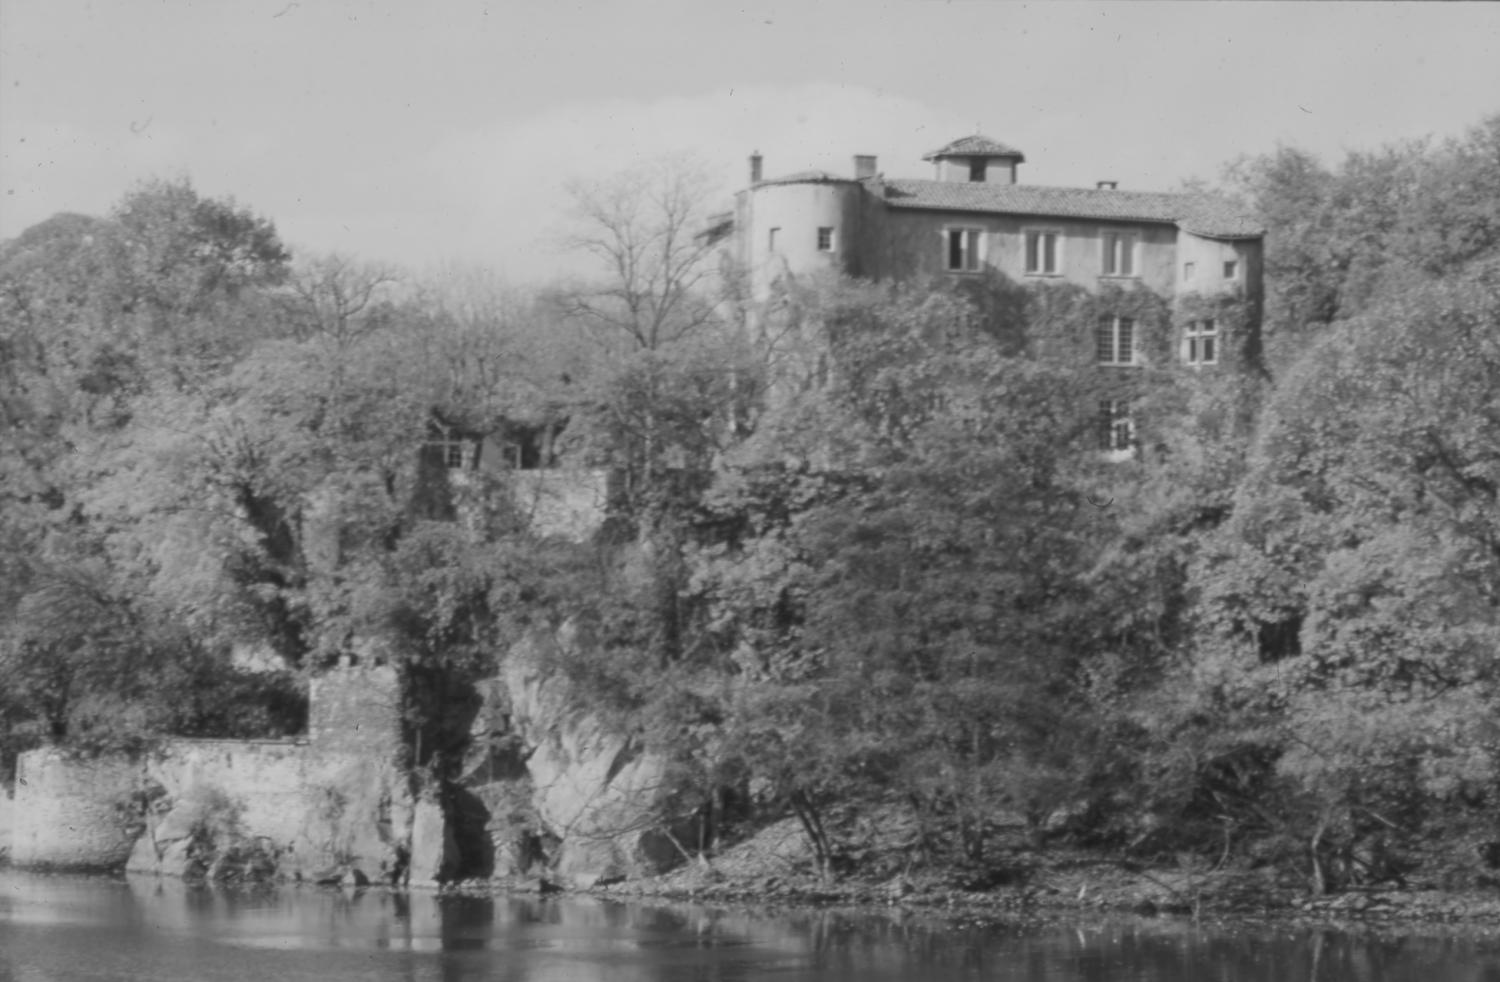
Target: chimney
(755, 162)
(1107, 185)
(864, 166)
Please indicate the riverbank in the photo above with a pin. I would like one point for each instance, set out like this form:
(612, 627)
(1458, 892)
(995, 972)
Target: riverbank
(774, 868)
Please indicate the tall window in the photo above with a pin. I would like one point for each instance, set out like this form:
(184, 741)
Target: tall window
(1231, 269)
(1200, 342)
(963, 248)
(1119, 253)
(1041, 252)
(771, 239)
(976, 169)
(825, 238)
(1189, 270)
(1114, 341)
(1116, 427)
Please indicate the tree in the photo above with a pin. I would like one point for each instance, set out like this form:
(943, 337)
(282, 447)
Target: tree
(645, 228)
(1350, 608)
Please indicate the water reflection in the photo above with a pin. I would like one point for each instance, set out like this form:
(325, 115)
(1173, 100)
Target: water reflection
(64, 928)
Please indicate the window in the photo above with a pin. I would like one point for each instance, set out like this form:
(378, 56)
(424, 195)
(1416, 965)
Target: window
(1231, 269)
(976, 170)
(454, 451)
(1188, 269)
(963, 248)
(1200, 343)
(825, 239)
(771, 239)
(1116, 427)
(1119, 253)
(1114, 341)
(1041, 253)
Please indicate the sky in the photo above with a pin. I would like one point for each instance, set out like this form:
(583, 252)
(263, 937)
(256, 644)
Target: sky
(446, 132)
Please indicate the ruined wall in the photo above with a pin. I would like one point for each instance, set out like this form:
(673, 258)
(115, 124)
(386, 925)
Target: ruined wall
(74, 814)
(355, 709)
(312, 814)
(7, 820)
(337, 803)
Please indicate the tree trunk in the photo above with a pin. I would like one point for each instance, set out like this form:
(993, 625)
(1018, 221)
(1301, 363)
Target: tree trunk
(812, 826)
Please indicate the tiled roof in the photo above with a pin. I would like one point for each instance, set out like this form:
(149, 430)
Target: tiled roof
(976, 146)
(1198, 214)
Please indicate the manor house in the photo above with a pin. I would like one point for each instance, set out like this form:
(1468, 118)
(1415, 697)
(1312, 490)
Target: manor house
(975, 215)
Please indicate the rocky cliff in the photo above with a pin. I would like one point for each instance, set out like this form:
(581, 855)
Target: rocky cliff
(593, 791)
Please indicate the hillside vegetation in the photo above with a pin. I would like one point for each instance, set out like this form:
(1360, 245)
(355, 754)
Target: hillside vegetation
(861, 547)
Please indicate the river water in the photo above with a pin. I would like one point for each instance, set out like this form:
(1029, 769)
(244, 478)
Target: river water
(67, 928)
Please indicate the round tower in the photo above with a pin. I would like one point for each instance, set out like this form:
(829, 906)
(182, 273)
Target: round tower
(798, 225)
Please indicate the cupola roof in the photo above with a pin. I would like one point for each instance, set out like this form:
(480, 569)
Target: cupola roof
(976, 146)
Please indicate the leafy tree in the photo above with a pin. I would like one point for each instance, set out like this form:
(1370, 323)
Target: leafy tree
(1352, 603)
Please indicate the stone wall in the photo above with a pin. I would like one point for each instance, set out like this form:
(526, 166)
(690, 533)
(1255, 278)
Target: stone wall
(309, 813)
(356, 709)
(335, 804)
(74, 814)
(7, 820)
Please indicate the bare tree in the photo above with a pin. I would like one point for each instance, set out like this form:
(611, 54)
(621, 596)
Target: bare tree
(340, 298)
(645, 226)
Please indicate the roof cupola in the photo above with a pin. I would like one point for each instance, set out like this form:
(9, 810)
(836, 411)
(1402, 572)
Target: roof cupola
(976, 159)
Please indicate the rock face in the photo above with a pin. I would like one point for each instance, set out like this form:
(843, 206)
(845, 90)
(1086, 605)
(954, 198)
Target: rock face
(596, 791)
(74, 814)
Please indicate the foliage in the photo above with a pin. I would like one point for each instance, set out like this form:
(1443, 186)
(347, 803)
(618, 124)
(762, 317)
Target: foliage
(861, 547)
